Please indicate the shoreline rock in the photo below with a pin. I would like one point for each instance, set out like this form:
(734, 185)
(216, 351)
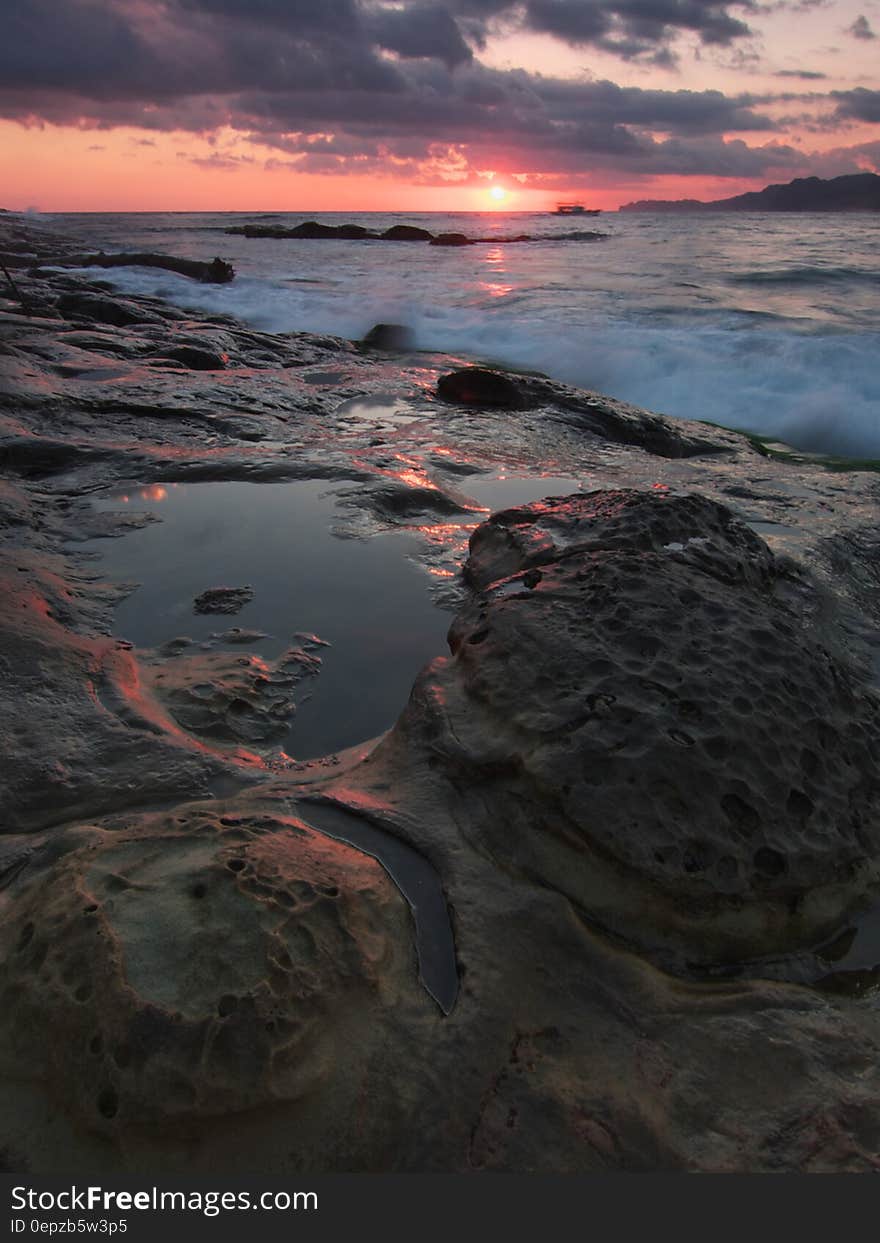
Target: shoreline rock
(312, 230)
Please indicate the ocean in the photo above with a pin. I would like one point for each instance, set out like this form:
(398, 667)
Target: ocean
(768, 323)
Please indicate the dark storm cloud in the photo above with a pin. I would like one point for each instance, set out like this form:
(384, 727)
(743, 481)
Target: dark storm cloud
(629, 28)
(647, 157)
(632, 29)
(640, 22)
(685, 112)
(325, 15)
(61, 46)
(123, 49)
(157, 50)
(422, 31)
(414, 31)
(858, 105)
(477, 104)
(377, 82)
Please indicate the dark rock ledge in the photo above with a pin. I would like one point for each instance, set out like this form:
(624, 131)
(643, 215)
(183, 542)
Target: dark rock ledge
(312, 230)
(646, 776)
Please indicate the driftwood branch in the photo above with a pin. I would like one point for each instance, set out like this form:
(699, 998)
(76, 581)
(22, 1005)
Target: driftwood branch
(25, 306)
(217, 272)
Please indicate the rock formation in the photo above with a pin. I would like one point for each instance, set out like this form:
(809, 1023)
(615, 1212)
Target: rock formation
(615, 691)
(389, 337)
(451, 239)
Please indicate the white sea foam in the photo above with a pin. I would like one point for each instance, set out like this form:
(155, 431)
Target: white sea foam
(758, 328)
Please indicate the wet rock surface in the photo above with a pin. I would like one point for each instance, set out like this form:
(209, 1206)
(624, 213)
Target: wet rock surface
(233, 698)
(475, 386)
(602, 417)
(201, 967)
(617, 689)
(223, 600)
(406, 233)
(313, 230)
(389, 336)
(117, 312)
(645, 778)
(451, 239)
(194, 358)
(217, 272)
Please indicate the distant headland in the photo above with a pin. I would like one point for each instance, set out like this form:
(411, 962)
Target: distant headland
(854, 192)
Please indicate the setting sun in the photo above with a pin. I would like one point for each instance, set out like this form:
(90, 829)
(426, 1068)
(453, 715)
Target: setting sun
(498, 193)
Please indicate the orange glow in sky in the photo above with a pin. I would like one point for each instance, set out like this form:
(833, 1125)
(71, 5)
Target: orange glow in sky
(55, 168)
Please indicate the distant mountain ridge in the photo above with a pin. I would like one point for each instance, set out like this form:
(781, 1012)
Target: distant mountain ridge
(853, 192)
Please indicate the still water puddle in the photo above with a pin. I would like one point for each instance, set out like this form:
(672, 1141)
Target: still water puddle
(853, 958)
(419, 883)
(508, 490)
(366, 598)
(378, 409)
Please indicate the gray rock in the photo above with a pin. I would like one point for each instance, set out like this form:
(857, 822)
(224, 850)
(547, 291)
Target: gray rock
(232, 698)
(389, 337)
(223, 600)
(616, 693)
(406, 233)
(118, 943)
(451, 239)
(477, 386)
(195, 359)
(102, 310)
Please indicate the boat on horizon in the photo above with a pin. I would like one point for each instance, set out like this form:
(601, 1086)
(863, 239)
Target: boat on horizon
(576, 209)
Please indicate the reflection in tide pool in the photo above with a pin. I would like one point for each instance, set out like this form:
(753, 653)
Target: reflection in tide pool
(364, 597)
(507, 491)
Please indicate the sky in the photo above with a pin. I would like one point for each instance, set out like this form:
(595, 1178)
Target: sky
(428, 105)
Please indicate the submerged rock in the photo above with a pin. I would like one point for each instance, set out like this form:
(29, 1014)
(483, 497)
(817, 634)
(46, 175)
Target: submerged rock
(406, 233)
(233, 698)
(238, 635)
(451, 239)
(223, 600)
(311, 228)
(399, 503)
(308, 229)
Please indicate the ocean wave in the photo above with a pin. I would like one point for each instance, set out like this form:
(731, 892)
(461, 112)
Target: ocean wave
(817, 393)
(806, 276)
(817, 390)
(576, 235)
